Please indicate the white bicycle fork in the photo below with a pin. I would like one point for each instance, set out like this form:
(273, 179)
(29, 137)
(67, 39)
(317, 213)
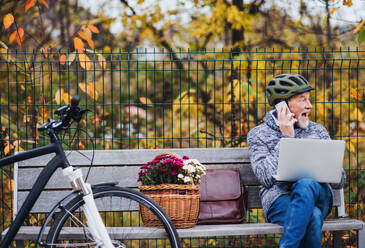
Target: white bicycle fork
(94, 221)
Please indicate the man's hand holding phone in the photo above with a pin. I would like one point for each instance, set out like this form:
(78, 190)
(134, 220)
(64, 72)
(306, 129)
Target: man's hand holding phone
(286, 119)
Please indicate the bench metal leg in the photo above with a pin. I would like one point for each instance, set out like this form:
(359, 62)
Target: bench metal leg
(361, 237)
(19, 243)
(337, 239)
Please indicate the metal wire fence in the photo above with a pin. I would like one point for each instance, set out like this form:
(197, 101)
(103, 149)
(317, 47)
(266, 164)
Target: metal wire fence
(160, 99)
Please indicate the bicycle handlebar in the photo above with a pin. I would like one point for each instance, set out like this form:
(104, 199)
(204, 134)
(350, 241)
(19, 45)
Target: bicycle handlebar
(66, 113)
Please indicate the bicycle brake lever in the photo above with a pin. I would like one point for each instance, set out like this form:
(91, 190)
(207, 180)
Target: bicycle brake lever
(62, 110)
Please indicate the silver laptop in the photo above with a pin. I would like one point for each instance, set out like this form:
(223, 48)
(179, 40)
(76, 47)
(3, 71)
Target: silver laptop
(320, 159)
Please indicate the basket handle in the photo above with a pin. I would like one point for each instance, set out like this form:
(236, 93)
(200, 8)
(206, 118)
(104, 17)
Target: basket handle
(168, 153)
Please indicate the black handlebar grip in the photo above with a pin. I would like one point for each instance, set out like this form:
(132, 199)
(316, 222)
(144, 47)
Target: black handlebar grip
(75, 101)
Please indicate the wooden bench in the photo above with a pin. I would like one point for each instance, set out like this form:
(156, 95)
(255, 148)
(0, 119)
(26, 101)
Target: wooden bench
(123, 166)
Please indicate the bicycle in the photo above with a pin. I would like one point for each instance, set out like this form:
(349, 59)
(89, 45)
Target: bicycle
(79, 211)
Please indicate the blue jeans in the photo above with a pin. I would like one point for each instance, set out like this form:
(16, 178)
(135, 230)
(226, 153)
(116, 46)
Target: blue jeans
(301, 213)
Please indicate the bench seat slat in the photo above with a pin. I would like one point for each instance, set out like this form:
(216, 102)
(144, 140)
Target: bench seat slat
(126, 175)
(31, 233)
(141, 156)
(48, 199)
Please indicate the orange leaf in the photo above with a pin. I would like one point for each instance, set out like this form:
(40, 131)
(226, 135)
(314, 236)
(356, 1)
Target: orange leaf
(62, 96)
(18, 149)
(63, 59)
(7, 149)
(81, 145)
(45, 3)
(79, 45)
(19, 36)
(66, 98)
(145, 100)
(8, 20)
(44, 52)
(89, 89)
(12, 37)
(93, 29)
(58, 96)
(29, 5)
(87, 38)
(84, 61)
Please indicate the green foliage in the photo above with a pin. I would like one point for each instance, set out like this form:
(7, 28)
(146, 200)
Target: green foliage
(361, 36)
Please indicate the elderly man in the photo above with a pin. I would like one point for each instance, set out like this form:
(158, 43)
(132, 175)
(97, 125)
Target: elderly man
(301, 206)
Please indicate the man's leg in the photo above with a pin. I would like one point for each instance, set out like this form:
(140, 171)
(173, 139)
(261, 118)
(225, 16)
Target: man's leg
(306, 193)
(313, 235)
(278, 209)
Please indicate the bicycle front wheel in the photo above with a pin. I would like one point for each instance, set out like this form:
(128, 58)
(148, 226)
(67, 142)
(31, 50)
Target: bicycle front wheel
(118, 208)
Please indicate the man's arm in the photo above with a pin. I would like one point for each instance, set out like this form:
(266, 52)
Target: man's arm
(264, 162)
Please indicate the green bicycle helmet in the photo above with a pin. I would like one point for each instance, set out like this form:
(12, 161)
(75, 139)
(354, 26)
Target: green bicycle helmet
(284, 86)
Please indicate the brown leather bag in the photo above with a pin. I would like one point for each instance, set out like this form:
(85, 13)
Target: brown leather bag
(222, 197)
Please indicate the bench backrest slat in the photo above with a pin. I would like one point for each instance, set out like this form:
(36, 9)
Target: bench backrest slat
(123, 166)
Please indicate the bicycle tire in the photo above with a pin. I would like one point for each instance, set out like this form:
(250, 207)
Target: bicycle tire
(108, 199)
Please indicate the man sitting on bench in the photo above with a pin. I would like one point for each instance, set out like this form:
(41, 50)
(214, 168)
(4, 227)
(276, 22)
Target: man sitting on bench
(299, 207)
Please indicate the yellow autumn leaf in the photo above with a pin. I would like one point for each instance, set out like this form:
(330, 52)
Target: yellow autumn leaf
(358, 27)
(66, 98)
(4, 45)
(85, 61)
(145, 100)
(71, 57)
(87, 38)
(10, 184)
(89, 89)
(101, 61)
(7, 149)
(333, 11)
(8, 20)
(356, 114)
(62, 96)
(18, 149)
(87, 32)
(58, 96)
(99, 86)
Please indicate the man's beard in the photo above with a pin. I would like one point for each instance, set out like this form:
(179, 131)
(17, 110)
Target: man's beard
(302, 123)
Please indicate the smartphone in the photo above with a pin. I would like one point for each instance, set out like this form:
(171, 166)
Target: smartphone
(282, 104)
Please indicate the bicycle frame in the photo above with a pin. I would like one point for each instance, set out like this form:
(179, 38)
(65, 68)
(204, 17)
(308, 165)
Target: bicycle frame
(94, 220)
(59, 160)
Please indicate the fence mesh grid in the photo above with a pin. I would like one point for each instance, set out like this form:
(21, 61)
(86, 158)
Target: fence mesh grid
(152, 98)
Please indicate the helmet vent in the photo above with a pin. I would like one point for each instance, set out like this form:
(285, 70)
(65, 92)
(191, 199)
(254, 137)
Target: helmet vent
(272, 83)
(284, 83)
(296, 80)
(305, 80)
(280, 76)
(281, 91)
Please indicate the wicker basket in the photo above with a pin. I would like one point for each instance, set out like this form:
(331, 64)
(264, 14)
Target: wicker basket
(181, 203)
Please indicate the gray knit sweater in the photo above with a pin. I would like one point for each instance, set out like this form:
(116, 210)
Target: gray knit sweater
(263, 144)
